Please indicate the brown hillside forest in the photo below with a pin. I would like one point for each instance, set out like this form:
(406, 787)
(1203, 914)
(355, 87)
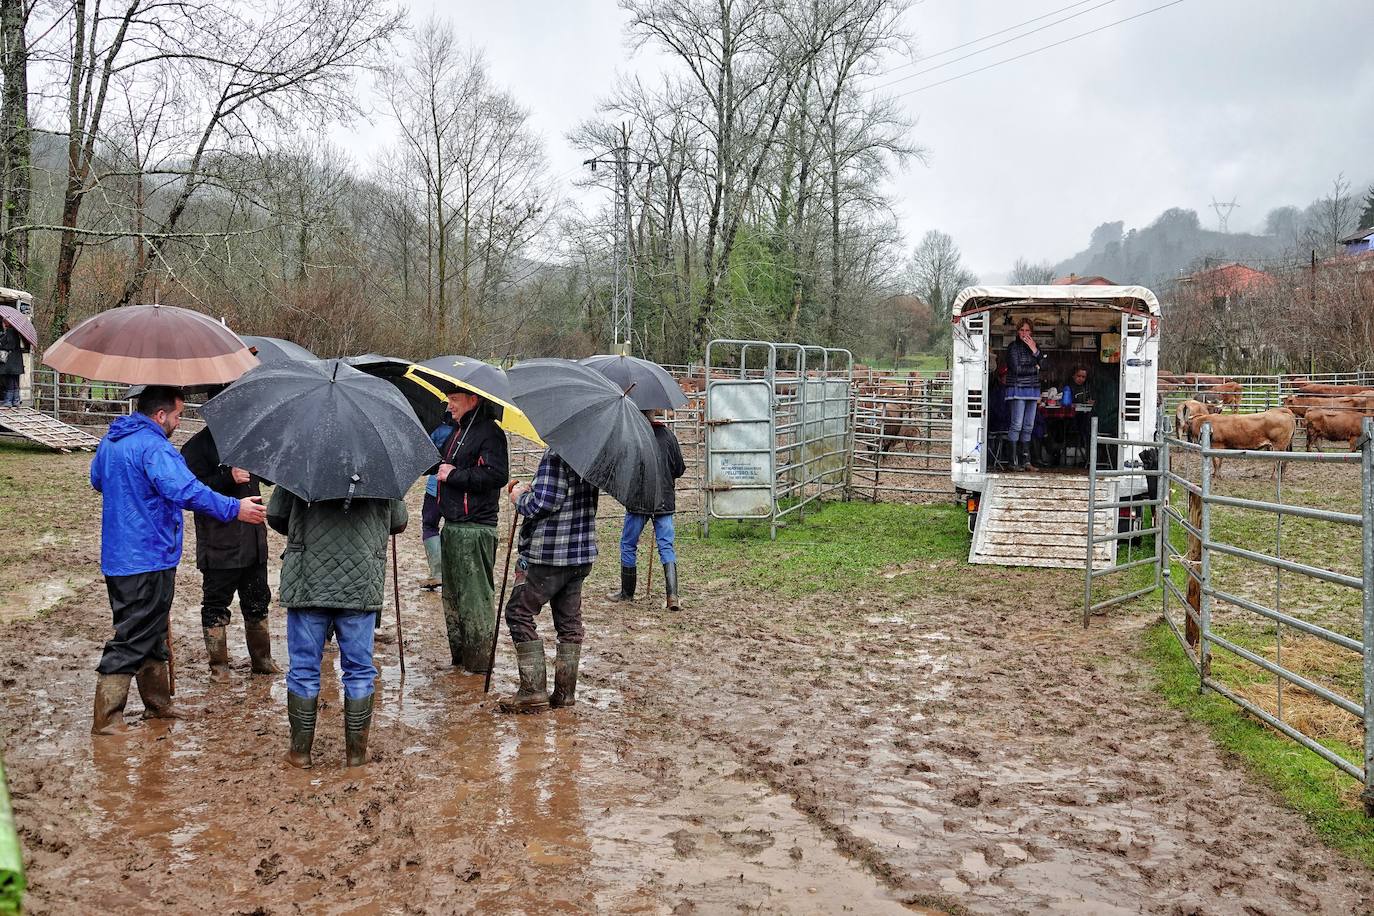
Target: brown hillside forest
(180, 153)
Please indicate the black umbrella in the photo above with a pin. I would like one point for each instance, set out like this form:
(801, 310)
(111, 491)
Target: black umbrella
(592, 426)
(649, 384)
(322, 430)
(273, 350)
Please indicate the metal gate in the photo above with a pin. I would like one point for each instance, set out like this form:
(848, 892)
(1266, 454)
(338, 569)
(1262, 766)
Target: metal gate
(778, 428)
(1256, 640)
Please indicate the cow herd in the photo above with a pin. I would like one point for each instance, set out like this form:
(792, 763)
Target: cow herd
(1330, 413)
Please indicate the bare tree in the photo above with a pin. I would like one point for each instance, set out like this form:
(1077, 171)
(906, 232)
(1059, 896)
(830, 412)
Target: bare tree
(1024, 273)
(1332, 217)
(470, 153)
(936, 272)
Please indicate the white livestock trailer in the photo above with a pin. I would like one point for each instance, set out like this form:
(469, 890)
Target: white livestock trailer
(1039, 518)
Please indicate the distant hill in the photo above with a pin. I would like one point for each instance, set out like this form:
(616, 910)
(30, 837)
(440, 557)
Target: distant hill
(1169, 246)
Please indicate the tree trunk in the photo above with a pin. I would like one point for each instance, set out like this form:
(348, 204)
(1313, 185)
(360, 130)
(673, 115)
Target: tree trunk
(14, 123)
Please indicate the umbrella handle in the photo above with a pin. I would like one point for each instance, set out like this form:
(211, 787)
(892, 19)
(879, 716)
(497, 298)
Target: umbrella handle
(505, 577)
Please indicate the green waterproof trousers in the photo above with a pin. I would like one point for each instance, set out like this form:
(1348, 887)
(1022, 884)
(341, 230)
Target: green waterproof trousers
(469, 563)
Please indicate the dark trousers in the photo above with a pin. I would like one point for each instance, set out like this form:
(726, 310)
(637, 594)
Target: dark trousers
(560, 587)
(430, 517)
(140, 603)
(217, 593)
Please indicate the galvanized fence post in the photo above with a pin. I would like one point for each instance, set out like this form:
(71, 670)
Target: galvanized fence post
(1160, 515)
(1092, 523)
(1367, 589)
(1204, 652)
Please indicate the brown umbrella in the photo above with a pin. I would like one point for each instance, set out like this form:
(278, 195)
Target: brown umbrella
(152, 345)
(20, 322)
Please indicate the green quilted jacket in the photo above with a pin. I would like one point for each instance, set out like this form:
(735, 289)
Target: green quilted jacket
(334, 558)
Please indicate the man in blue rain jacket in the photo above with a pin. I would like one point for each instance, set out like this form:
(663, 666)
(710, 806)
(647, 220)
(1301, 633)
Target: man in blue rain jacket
(146, 484)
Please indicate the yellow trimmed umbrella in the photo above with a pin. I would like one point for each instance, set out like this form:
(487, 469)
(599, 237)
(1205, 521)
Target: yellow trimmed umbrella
(443, 374)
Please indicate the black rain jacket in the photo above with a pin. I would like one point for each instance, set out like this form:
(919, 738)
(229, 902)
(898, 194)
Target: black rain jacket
(477, 450)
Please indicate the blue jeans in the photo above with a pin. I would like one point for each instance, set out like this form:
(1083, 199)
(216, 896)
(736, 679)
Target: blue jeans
(634, 527)
(1021, 419)
(305, 632)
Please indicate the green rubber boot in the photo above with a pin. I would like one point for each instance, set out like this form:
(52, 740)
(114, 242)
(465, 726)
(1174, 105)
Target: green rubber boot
(533, 695)
(301, 713)
(357, 727)
(565, 675)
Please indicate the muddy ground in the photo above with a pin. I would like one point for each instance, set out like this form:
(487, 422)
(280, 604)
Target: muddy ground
(938, 739)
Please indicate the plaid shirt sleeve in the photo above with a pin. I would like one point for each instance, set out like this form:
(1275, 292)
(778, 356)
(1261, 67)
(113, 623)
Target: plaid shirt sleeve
(547, 492)
(560, 516)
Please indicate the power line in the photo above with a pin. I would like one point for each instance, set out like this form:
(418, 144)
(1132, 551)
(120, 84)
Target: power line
(1016, 57)
(959, 47)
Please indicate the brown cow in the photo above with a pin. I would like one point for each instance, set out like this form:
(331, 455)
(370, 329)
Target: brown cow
(1336, 425)
(1272, 429)
(1331, 391)
(1230, 393)
(1183, 416)
(1300, 403)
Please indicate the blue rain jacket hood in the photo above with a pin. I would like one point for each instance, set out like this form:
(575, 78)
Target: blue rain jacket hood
(145, 484)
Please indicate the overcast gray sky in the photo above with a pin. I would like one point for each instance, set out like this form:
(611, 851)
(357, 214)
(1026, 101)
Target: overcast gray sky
(1261, 100)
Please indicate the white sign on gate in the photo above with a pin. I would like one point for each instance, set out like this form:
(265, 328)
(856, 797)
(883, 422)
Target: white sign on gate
(739, 473)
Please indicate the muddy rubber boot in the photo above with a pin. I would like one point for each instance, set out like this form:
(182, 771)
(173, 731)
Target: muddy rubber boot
(259, 641)
(217, 648)
(565, 675)
(670, 586)
(435, 555)
(628, 576)
(533, 695)
(155, 687)
(357, 726)
(301, 714)
(111, 696)
(1026, 457)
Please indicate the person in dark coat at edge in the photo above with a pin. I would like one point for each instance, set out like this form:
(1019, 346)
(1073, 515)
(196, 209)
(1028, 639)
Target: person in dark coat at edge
(636, 518)
(144, 484)
(430, 518)
(473, 470)
(557, 549)
(1023, 361)
(231, 557)
(12, 349)
(332, 573)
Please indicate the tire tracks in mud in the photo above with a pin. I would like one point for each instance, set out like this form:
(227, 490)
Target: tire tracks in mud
(1024, 765)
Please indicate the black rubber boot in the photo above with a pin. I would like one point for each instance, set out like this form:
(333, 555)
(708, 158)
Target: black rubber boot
(260, 646)
(357, 726)
(1026, 457)
(301, 713)
(111, 696)
(533, 695)
(155, 687)
(565, 675)
(670, 586)
(628, 576)
(217, 648)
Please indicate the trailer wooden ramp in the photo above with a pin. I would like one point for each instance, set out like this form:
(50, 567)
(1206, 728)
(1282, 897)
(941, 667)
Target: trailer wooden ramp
(1041, 519)
(45, 430)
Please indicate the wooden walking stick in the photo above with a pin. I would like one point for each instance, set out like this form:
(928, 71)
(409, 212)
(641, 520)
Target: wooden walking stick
(396, 590)
(171, 660)
(505, 577)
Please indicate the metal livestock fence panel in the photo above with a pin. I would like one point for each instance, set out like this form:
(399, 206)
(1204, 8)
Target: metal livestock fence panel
(1315, 643)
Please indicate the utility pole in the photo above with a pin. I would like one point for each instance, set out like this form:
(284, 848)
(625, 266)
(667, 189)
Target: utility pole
(622, 290)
